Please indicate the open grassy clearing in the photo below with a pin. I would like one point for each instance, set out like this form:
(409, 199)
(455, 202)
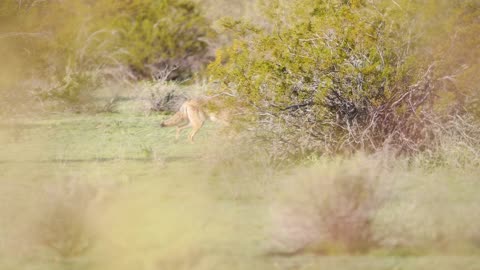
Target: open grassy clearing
(114, 191)
(152, 198)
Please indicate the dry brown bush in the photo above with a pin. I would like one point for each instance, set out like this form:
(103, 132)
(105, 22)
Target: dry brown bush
(330, 207)
(161, 95)
(380, 203)
(64, 223)
(49, 220)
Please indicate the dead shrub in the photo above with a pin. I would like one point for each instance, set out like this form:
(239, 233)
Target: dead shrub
(348, 213)
(161, 95)
(63, 224)
(51, 222)
(379, 203)
(331, 207)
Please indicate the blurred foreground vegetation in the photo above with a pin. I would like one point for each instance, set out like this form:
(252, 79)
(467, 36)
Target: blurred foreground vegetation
(112, 191)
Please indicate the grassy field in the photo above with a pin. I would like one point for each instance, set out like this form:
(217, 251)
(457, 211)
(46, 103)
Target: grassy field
(113, 191)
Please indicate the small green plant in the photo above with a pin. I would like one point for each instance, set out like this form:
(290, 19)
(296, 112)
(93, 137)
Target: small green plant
(147, 151)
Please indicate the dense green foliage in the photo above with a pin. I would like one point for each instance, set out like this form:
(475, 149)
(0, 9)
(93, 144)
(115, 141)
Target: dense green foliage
(152, 31)
(343, 75)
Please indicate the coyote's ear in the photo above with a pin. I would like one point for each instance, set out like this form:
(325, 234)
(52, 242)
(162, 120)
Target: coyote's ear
(162, 124)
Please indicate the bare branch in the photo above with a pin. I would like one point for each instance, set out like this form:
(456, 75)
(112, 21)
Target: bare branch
(26, 34)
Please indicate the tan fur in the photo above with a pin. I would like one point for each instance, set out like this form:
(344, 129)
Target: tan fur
(193, 113)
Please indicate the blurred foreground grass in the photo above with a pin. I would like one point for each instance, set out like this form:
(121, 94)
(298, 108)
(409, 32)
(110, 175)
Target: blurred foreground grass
(113, 191)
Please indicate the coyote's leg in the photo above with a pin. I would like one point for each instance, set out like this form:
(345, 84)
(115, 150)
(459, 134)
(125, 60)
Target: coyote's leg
(179, 129)
(195, 129)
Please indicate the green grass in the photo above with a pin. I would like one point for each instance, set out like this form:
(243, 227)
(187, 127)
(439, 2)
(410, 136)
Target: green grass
(145, 202)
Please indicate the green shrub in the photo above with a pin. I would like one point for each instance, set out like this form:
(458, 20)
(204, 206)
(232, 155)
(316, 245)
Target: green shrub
(152, 31)
(338, 76)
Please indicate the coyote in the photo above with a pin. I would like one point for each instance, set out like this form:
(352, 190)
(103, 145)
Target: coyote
(193, 113)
